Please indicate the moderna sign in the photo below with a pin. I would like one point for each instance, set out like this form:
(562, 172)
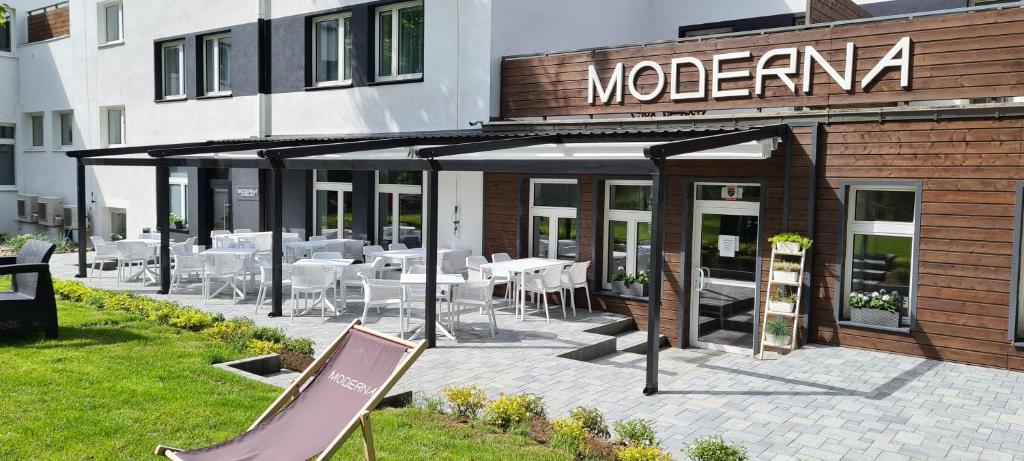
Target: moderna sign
(899, 56)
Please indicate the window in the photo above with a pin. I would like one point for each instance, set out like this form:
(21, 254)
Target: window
(400, 41)
(118, 220)
(178, 184)
(400, 207)
(989, 2)
(65, 127)
(627, 228)
(711, 31)
(880, 247)
(5, 33)
(38, 138)
(332, 203)
(111, 23)
(172, 70)
(113, 126)
(553, 204)
(217, 65)
(6, 155)
(332, 44)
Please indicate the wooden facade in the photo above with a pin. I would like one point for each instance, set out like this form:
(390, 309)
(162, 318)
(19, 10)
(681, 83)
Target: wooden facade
(833, 10)
(49, 24)
(968, 170)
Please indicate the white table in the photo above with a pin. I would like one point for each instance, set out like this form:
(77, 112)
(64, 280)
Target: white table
(421, 279)
(338, 267)
(307, 247)
(403, 256)
(522, 267)
(146, 271)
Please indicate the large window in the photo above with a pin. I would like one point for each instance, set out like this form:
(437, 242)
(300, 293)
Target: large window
(6, 155)
(400, 208)
(217, 65)
(553, 204)
(38, 137)
(172, 70)
(332, 50)
(400, 41)
(332, 203)
(65, 128)
(879, 244)
(178, 184)
(5, 33)
(113, 126)
(117, 218)
(111, 23)
(627, 228)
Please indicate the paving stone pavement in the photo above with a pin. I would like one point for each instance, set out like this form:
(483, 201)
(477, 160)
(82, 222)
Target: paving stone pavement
(820, 402)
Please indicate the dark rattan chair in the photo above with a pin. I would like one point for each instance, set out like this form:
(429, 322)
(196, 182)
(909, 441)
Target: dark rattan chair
(30, 305)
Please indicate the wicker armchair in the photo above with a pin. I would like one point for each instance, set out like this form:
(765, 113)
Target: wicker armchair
(30, 305)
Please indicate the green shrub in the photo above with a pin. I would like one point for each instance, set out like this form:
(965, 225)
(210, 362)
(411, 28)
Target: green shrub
(432, 404)
(235, 332)
(508, 410)
(715, 449)
(302, 346)
(592, 420)
(777, 327)
(261, 347)
(274, 335)
(804, 242)
(535, 405)
(569, 434)
(191, 320)
(635, 432)
(465, 401)
(786, 266)
(62, 244)
(641, 453)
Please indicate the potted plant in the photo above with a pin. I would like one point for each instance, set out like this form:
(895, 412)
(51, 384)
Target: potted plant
(785, 271)
(639, 286)
(177, 221)
(790, 242)
(878, 308)
(782, 302)
(778, 333)
(619, 281)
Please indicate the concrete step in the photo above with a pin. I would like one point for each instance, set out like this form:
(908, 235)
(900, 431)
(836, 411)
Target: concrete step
(636, 342)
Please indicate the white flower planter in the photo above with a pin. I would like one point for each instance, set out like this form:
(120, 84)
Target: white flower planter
(786, 277)
(618, 287)
(778, 341)
(787, 247)
(780, 306)
(875, 317)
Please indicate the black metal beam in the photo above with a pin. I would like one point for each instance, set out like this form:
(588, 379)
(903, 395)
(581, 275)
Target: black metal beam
(338, 148)
(236, 147)
(277, 244)
(488, 145)
(547, 166)
(430, 299)
(163, 225)
(714, 141)
(82, 211)
(658, 189)
(365, 164)
(91, 153)
(178, 161)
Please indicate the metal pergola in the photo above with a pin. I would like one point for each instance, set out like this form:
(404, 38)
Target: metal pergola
(430, 152)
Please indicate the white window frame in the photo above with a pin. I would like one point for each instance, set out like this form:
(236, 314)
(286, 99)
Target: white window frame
(341, 81)
(632, 218)
(102, 12)
(340, 188)
(105, 125)
(396, 190)
(31, 145)
(109, 215)
(216, 91)
(879, 228)
(553, 214)
(394, 8)
(180, 45)
(58, 124)
(10, 142)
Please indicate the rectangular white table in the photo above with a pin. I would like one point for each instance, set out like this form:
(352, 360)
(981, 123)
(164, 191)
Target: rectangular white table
(403, 256)
(245, 254)
(421, 279)
(338, 267)
(146, 272)
(309, 246)
(521, 267)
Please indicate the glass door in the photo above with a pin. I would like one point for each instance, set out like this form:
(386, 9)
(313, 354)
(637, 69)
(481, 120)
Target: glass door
(221, 207)
(724, 272)
(333, 211)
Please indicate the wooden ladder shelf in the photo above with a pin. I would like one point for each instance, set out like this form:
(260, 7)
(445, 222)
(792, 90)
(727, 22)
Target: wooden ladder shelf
(787, 287)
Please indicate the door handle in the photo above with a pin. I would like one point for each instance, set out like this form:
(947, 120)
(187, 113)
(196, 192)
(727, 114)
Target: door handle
(702, 279)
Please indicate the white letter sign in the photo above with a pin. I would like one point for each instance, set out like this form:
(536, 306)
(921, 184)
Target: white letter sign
(674, 75)
(614, 87)
(634, 74)
(780, 72)
(902, 48)
(811, 56)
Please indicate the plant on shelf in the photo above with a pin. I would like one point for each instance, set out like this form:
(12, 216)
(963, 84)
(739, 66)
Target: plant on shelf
(621, 280)
(780, 301)
(778, 333)
(177, 221)
(786, 271)
(639, 285)
(879, 308)
(790, 242)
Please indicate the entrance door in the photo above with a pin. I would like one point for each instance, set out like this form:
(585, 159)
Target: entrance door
(724, 268)
(333, 210)
(221, 206)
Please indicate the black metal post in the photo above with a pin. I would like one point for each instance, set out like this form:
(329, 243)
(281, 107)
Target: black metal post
(277, 244)
(82, 210)
(657, 263)
(430, 303)
(163, 225)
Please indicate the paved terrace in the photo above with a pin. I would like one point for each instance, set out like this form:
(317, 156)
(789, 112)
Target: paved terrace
(818, 403)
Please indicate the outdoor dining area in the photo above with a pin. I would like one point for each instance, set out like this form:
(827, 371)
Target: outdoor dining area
(329, 277)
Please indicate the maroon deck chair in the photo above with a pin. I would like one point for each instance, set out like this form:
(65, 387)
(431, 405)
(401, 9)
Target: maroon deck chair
(312, 421)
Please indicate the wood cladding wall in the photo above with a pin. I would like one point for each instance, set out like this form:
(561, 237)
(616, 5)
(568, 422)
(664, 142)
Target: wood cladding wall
(972, 55)
(50, 24)
(819, 11)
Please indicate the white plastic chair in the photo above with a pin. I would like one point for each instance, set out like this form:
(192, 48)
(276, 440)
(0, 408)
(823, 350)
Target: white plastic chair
(548, 281)
(454, 261)
(105, 252)
(353, 249)
(222, 266)
(398, 246)
(327, 255)
(479, 294)
(473, 270)
(131, 253)
(574, 277)
(184, 264)
(311, 280)
(317, 238)
(500, 257)
(382, 292)
(214, 234)
(267, 279)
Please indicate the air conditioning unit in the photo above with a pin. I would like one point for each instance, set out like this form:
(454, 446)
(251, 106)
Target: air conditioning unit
(50, 211)
(70, 220)
(27, 208)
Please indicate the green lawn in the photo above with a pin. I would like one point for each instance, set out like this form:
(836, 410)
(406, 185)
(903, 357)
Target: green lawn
(113, 386)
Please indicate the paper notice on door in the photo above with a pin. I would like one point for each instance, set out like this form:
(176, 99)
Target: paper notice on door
(727, 245)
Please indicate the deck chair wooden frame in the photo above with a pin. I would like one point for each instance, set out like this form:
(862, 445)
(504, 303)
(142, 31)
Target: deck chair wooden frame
(414, 350)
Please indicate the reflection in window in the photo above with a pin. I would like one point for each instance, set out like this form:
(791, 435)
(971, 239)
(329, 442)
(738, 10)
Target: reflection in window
(400, 40)
(553, 205)
(627, 228)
